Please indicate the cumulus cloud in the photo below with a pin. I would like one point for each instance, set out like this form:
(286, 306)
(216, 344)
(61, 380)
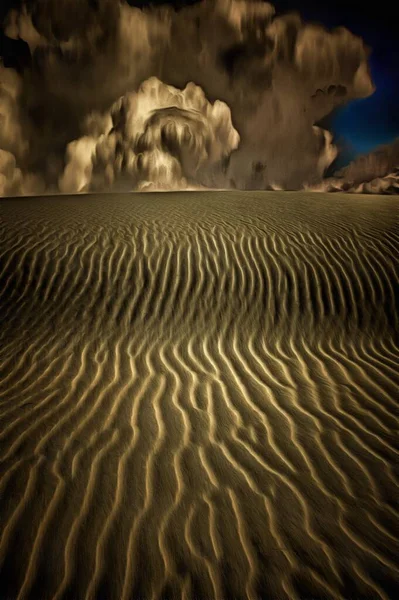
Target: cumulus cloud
(12, 136)
(379, 163)
(89, 53)
(374, 173)
(14, 182)
(232, 94)
(14, 143)
(388, 184)
(279, 77)
(158, 137)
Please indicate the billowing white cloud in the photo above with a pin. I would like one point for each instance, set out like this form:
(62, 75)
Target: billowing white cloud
(157, 137)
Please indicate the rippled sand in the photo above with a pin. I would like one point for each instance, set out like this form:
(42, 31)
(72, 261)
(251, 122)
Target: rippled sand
(198, 397)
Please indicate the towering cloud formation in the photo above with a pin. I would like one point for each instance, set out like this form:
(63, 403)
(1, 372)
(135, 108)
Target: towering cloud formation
(258, 86)
(279, 77)
(158, 137)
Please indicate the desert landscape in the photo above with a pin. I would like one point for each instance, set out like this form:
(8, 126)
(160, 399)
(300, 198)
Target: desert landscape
(198, 396)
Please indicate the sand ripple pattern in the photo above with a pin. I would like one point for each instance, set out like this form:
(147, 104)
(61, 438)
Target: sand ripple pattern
(198, 397)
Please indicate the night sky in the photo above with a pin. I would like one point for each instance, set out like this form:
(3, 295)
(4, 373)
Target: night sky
(361, 125)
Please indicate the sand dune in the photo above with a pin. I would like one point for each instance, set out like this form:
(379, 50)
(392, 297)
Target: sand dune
(198, 397)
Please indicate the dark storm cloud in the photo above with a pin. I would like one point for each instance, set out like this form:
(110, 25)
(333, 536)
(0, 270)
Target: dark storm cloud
(278, 75)
(41, 22)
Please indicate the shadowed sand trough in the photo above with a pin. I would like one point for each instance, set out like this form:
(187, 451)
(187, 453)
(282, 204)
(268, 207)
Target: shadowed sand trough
(198, 397)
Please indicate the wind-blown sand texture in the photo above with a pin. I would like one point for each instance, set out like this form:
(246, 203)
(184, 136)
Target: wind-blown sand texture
(198, 397)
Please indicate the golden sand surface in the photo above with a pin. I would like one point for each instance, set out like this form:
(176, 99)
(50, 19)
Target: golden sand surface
(199, 397)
